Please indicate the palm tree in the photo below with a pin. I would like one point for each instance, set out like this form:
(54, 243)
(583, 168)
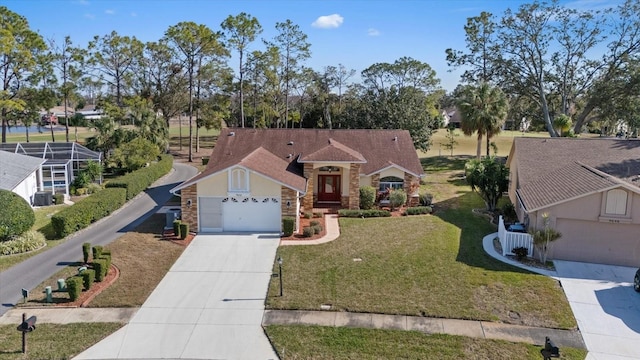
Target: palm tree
(483, 109)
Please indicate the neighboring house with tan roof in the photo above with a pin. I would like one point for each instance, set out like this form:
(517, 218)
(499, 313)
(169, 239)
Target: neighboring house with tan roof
(256, 176)
(590, 190)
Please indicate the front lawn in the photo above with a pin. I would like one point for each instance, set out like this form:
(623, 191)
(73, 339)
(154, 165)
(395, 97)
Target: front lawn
(316, 342)
(53, 341)
(430, 265)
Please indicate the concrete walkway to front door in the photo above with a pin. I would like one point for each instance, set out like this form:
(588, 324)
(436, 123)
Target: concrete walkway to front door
(208, 306)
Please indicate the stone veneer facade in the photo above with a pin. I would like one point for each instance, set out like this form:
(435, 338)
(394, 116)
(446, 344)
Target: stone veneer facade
(190, 213)
(290, 196)
(354, 186)
(307, 201)
(375, 181)
(409, 180)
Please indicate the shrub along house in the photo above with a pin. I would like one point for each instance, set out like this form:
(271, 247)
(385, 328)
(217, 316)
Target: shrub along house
(588, 188)
(256, 176)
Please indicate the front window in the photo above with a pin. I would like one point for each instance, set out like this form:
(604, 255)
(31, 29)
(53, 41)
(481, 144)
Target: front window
(387, 184)
(238, 180)
(391, 183)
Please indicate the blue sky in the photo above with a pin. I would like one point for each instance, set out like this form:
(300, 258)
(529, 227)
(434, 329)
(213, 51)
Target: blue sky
(356, 33)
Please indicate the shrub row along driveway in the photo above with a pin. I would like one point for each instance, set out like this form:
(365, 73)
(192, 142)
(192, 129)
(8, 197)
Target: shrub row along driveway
(33, 271)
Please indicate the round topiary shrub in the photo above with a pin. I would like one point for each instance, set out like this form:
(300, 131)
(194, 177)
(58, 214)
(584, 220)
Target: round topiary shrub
(16, 215)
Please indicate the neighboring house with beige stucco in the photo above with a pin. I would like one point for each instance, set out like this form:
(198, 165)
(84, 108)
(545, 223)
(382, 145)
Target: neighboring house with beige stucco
(590, 190)
(257, 176)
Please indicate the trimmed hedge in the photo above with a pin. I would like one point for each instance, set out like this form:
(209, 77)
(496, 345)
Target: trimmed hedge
(100, 267)
(87, 211)
(363, 213)
(74, 287)
(307, 231)
(88, 276)
(184, 230)
(288, 225)
(16, 215)
(176, 227)
(97, 251)
(367, 197)
(135, 182)
(58, 199)
(86, 250)
(418, 210)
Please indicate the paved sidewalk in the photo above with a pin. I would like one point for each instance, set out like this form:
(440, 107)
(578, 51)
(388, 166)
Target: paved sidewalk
(61, 315)
(333, 232)
(477, 329)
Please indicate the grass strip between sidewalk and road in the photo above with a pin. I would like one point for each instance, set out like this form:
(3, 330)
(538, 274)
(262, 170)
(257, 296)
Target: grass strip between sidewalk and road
(318, 342)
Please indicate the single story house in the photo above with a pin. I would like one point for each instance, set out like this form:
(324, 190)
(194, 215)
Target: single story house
(20, 174)
(589, 190)
(256, 176)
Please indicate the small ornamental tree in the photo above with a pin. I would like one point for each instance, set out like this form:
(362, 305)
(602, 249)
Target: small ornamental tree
(543, 238)
(489, 178)
(397, 198)
(367, 197)
(451, 141)
(16, 215)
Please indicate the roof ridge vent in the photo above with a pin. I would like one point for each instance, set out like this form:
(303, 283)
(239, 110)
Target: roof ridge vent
(232, 133)
(395, 138)
(290, 143)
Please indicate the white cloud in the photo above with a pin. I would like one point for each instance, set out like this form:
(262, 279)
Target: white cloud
(109, 12)
(89, 16)
(83, 2)
(373, 32)
(328, 21)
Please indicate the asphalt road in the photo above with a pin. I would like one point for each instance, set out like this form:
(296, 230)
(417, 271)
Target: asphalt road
(33, 271)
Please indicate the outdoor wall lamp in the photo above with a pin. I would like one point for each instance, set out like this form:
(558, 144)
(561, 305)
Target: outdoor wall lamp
(189, 203)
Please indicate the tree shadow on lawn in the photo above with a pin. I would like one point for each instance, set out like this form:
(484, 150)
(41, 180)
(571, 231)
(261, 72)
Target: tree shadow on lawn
(445, 163)
(473, 227)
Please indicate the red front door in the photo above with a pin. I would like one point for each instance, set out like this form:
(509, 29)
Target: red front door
(329, 188)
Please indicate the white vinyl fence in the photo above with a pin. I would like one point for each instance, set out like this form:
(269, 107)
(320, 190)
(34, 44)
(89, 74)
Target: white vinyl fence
(510, 240)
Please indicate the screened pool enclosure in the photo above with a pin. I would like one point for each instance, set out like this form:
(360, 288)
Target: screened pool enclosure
(63, 162)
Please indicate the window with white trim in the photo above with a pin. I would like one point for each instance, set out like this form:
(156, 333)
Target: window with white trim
(239, 180)
(616, 202)
(391, 182)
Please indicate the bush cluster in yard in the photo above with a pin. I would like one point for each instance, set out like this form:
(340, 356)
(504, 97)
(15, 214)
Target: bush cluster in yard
(74, 287)
(367, 197)
(87, 211)
(28, 241)
(136, 181)
(426, 199)
(176, 227)
(58, 199)
(100, 267)
(363, 213)
(88, 276)
(86, 249)
(288, 225)
(418, 210)
(307, 231)
(16, 215)
(184, 230)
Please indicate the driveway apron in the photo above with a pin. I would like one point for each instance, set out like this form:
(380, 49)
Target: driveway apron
(208, 306)
(605, 306)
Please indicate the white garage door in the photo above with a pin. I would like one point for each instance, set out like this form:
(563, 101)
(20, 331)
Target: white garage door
(257, 214)
(210, 216)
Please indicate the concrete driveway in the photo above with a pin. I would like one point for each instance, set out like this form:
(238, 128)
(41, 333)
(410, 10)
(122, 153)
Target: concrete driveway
(208, 306)
(605, 306)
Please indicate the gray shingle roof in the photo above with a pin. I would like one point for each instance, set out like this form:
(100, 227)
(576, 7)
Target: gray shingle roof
(552, 170)
(14, 168)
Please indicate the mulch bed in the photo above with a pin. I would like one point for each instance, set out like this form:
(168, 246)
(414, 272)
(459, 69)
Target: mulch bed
(170, 236)
(307, 222)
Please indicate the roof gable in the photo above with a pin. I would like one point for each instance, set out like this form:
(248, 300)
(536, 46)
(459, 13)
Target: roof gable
(333, 152)
(14, 168)
(553, 170)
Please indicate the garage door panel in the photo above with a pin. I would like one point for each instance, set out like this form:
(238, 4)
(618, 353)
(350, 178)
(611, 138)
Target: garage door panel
(251, 214)
(605, 243)
(210, 213)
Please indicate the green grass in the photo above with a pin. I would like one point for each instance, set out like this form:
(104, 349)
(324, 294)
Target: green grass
(42, 224)
(315, 342)
(53, 341)
(420, 265)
